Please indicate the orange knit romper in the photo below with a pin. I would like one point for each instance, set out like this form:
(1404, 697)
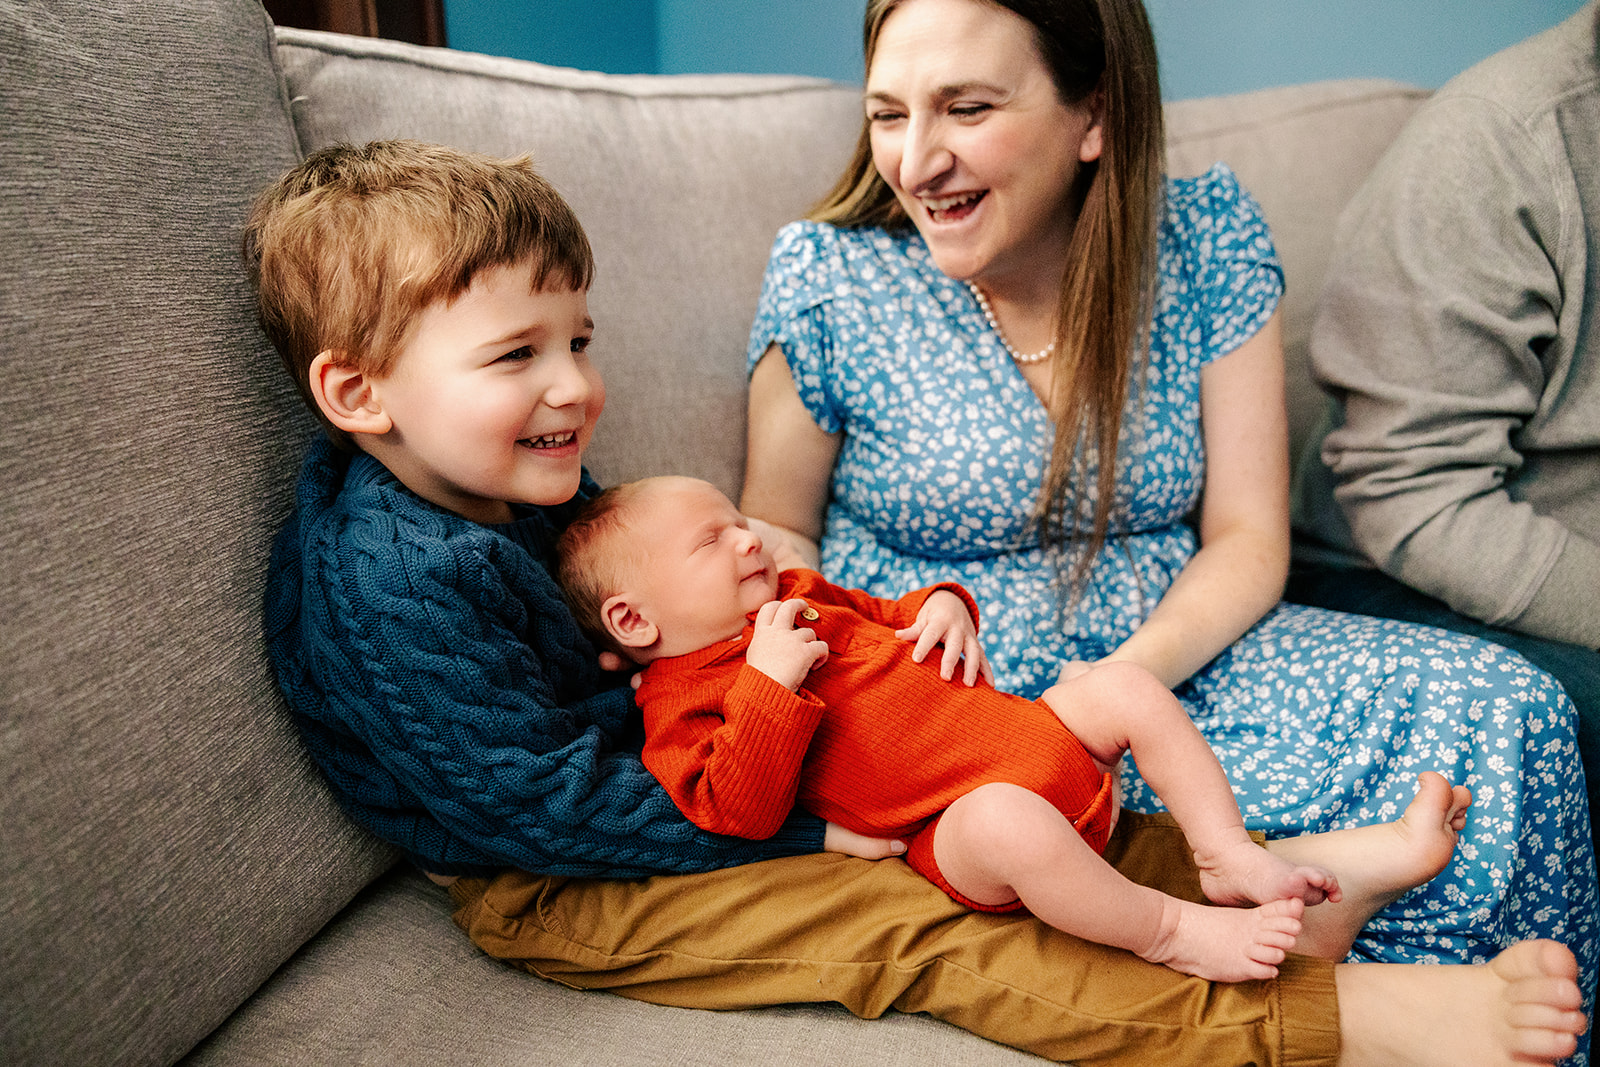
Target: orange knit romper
(872, 741)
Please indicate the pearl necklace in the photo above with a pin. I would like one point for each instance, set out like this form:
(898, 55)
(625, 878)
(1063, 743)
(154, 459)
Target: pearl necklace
(1025, 359)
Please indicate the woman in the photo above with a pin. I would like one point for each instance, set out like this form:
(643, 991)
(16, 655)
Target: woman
(1003, 293)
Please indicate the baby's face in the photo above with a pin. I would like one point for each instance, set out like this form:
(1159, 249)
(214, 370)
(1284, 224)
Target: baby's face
(705, 568)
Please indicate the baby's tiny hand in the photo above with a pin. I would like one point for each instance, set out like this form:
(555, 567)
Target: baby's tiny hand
(944, 620)
(779, 650)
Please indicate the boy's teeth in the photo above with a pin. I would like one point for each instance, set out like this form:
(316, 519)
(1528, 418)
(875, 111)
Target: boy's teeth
(550, 440)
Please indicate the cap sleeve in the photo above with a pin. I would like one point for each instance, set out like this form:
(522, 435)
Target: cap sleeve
(803, 272)
(1239, 279)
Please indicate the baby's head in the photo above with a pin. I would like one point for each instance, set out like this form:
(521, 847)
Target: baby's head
(663, 567)
(431, 308)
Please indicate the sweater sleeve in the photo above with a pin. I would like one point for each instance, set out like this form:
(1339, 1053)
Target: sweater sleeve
(443, 688)
(729, 755)
(1444, 291)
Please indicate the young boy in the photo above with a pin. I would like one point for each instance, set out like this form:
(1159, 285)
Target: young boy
(430, 306)
(1007, 802)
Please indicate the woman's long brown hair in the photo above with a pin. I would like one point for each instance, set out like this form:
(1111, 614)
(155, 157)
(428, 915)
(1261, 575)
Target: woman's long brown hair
(1108, 287)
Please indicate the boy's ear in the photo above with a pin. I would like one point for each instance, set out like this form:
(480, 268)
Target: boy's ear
(626, 626)
(346, 396)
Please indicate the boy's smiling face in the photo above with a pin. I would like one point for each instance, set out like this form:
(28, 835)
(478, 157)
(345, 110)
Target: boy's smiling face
(493, 399)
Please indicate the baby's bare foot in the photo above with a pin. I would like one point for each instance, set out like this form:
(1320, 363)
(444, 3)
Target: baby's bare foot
(1226, 944)
(1522, 1007)
(1246, 873)
(1377, 865)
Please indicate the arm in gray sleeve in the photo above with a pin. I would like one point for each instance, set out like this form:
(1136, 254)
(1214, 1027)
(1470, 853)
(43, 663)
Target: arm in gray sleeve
(1444, 298)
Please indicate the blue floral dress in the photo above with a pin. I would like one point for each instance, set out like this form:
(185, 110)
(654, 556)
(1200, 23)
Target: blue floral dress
(1322, 720)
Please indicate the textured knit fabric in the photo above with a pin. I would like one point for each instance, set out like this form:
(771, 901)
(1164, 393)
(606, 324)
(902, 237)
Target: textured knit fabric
(441, 684)
(1321, 720)
(1457, 332)
(872, 740)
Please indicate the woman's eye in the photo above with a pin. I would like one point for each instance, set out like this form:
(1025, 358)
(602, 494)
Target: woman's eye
(968, 111)
(879, 118)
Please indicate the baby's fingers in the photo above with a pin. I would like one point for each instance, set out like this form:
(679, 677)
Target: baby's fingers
(768, 613)
(782, 612)
(977, 662)
(953, 650)
(927, 641)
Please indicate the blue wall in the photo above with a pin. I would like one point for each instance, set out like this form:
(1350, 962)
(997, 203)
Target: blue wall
(619, 36)
(1207, 46)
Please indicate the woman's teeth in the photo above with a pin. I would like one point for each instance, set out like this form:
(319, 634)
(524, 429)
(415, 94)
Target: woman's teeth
(943, 204)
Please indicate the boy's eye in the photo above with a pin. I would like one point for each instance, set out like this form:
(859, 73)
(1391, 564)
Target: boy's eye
(517, 355)
(580, 345)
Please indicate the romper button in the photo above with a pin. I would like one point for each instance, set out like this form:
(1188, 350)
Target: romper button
(810, 615)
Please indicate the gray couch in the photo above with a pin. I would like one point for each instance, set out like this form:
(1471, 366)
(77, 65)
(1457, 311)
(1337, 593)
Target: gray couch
(177, 883)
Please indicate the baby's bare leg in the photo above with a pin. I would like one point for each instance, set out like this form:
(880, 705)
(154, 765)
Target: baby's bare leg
(1119, 707)
(1522, 1007)
(1001, 842)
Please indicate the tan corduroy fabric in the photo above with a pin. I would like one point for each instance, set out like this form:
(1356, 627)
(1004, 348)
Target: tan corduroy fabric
(876, 936)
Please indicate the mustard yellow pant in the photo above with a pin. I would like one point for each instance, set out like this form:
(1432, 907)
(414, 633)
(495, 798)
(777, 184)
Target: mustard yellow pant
(878, 936)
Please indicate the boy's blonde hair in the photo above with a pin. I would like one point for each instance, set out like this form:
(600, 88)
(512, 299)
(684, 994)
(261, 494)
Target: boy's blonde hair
(349, 247)
(593, 555)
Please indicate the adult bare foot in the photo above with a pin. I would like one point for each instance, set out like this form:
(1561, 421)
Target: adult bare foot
(1523, 1007)
(1225, 944)
(1377, 865)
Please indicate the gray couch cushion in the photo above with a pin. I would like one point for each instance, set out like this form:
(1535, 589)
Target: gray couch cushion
(166, 842)
(394, 981)
(681, 183)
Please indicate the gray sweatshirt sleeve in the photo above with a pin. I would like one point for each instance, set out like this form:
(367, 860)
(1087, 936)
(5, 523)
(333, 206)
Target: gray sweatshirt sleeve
(1445, 293)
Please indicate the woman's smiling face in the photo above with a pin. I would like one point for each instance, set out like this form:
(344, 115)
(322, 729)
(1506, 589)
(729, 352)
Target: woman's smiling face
(968, 130)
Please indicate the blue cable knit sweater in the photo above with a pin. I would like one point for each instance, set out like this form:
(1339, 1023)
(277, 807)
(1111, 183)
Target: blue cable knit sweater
(442, 686)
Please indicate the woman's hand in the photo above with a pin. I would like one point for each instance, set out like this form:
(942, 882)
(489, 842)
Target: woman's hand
(788, 549)
(944, 620)
(837, 839)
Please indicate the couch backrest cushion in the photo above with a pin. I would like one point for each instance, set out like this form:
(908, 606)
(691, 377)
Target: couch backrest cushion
(681, 183)
(166, 842)
(1303, 151)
